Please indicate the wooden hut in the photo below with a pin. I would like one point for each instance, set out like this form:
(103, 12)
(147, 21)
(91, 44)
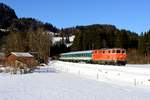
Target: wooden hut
(21, 60)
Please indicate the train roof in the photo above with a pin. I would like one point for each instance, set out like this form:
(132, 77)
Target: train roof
(110, 49)
(75, 52)
(90, 51)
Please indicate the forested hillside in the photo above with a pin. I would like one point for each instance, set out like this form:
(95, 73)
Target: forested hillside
(101, 36)
(7, 15)
(108, 36)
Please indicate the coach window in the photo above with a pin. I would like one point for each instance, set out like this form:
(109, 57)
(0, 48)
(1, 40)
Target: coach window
(87, 55)
(108, 51)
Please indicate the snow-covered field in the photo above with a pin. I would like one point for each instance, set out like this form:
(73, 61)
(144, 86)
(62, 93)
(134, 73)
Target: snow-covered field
(129, 74)
(61, 83)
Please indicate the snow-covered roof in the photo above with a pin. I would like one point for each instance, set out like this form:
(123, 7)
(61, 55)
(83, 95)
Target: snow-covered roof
(22, 54)
(4, 30)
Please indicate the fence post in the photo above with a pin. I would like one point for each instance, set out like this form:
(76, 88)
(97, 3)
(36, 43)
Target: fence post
(79, 72)
(135, 82)
(97, 76)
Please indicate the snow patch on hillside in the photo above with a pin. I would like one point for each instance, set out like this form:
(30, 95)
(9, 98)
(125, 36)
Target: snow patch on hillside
(58, 39)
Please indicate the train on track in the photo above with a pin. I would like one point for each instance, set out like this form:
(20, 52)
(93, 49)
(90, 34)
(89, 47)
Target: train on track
(113, 56)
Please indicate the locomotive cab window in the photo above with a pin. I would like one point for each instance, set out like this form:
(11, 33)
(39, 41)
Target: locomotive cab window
(113, 51)
(118, 51)
(123, 51)
(103, 51)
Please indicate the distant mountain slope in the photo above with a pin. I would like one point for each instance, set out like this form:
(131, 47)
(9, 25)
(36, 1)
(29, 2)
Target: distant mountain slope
(24, 24)
(7, 15)
(9, 20)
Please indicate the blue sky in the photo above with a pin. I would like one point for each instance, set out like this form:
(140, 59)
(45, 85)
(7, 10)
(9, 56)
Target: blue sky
(132, 15)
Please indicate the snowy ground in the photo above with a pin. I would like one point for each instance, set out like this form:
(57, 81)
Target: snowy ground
(50, 84)
(129, 74)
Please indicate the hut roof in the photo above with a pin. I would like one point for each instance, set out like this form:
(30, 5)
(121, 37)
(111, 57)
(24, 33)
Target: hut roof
(22, 54)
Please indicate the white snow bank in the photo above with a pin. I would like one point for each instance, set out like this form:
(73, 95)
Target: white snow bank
(132, 74)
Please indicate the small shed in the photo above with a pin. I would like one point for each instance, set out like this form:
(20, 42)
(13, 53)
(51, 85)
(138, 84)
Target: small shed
(21, 60)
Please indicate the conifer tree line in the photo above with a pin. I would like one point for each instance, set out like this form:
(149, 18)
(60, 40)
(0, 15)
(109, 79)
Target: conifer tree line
(108, 36)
